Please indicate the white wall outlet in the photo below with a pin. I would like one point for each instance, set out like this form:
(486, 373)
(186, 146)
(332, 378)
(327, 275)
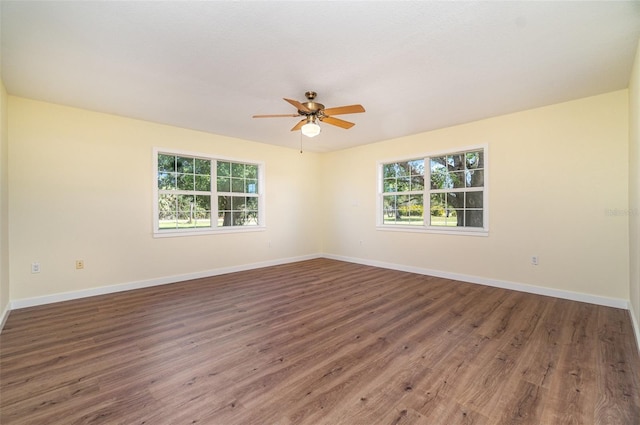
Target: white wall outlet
(535, 260)
(35, 267)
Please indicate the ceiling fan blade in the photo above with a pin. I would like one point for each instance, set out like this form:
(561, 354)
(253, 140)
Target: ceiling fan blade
(337, 122)
(276, 115)
(299, 125)
(299, 105)
(349, 109)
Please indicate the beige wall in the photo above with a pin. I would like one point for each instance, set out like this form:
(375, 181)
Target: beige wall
(634, 192)
(81, 188)
(4, 208)
(558, 177)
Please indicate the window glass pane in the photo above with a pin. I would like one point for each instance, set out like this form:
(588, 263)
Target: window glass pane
(203, 183)
(224, 218)
(186, 182)
(403, 169)
(444, 181)
(389, 170)
(390, 185)
(438, 209)
(417, 167)
(166, 204)
(473, 200)
(474, 178)
(475, 159)
(184, 202)
(409, 209)
(185, 165)
(237, 170)
(438, 162)
(166, 163)
(455, 200)
(166, 181)
(452, 217)
(202, 219)
(224, 169)
(238, 219)
(389, 212)
(438, 199)
(455, 162)
(203, 203)
(202, 215)
(456, 179)
(417, 183)
(238, 202)
(237, 185)
(251, 171)
(202, 166)
(183, 219)
(403, 184)
(415, 210)
(251, 186)
(224, 203)
(224, 184)
(443, 217)
(167, 221)
(250, 218)
(473, 218)
(438, 173)
(252, 203)
(437, 204)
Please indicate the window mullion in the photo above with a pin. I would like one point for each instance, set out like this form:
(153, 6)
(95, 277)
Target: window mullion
(214, 193)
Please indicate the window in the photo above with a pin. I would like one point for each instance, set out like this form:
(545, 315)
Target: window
(197, 193)
(440, 192)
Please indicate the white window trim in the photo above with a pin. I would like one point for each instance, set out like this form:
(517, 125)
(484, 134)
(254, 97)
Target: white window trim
(426, 228)
(214, 204)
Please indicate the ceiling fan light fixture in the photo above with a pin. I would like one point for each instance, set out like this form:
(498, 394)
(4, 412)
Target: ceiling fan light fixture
(311, 128)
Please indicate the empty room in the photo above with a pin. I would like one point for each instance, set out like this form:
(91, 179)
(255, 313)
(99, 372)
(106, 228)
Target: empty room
(333, 213)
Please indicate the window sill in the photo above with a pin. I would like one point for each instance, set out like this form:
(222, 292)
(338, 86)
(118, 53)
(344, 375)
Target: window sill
(199, 232)
(424, 229)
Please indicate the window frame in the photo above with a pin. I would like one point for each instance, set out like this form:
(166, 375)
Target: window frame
(213, 229)
(426, 192)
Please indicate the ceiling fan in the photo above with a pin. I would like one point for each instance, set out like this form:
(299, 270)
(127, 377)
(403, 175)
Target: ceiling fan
(313, 112)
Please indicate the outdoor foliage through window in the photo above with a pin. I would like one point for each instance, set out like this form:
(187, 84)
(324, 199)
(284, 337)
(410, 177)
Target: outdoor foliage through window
(450, 187)
(192, 190)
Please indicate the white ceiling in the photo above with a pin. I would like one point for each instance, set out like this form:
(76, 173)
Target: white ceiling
(414, 66)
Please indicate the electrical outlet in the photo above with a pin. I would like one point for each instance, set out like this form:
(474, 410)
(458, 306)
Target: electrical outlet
(35, 267)
(79, 264)
(534, 260)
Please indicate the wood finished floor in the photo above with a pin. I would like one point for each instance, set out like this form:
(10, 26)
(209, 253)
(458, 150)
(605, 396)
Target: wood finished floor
(319, 342)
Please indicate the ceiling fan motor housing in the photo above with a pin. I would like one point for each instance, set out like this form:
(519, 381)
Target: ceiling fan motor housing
(312, 106)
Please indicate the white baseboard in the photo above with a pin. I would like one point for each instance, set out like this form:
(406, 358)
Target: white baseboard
(4, 315)
(67, 296)
(636, 325)
(538, 290)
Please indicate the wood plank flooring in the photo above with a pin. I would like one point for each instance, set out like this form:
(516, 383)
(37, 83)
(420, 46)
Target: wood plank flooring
(319, 342)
